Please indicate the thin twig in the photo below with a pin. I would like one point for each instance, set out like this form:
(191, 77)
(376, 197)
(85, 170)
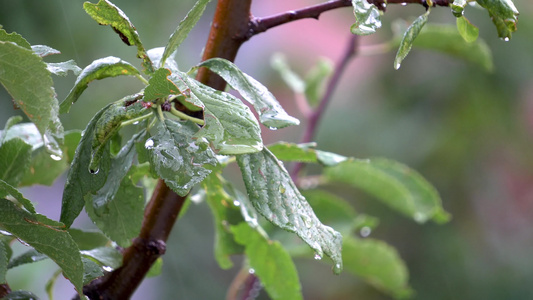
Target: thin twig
(316, 115)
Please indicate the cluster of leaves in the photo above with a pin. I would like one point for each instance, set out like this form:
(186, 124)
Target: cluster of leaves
(502, 12)
(108, 177)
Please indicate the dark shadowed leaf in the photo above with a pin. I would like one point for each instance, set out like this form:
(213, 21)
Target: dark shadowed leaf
(91, 270)
(29, 83)
(46, 236)
(15, 159)
(99, 69)
(4, 259)
(378, 264)
(271, 114)
(27, 257)
(21, 295)
(106, 13)
(277, 198)
(176, 157)
(504, 15)
(367, 17)
(183, 29)
(408, 38)
(393, 183)
(270, 262)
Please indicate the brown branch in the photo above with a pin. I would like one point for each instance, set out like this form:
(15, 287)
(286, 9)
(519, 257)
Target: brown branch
(4, 290)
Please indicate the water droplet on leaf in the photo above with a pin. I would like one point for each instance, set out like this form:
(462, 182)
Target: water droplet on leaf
(251, 271)
(318, 256)
(55, 157)
(149, 144)
(365, 231)
(337, 268)
(107, 268)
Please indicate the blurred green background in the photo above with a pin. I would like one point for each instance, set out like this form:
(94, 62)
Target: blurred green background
(468, 132)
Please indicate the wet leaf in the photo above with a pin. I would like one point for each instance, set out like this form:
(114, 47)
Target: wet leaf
(270, 262)
(458, 7)
(155, 54)
(160, 86)
(408, 38)
(276, 198)
(271, 114)
(20, 295)
(46, 236)
(106, 13)
(87, 240)
(183, 29)
(8, 190)
(304, 153)
(80, 181)
(62, 68)
(504, 15)
(12, 121)
(4, 259)
(43, 50)
(91, 270)
(117, 208)
(104, 256)
(176, 157)
(99, 69)
(378, 264)
(367, 18)
(468, 31)
(28, 132)
(229, 124)
(15, 159)
(27, 257)
(398, 186)
(226, 214)
(446, 39)
(15, 38)
(31, 86)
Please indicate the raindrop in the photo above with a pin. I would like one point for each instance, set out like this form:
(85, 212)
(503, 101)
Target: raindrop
(251, 271)
(403, 3)
(107, 268)
(506, 39)
(5, 233)
(419, 217)
(136, 122)
(94, 171)
(149, 144)
(272, 128)
(236, 203)
(337, 268)
(55, 157)
(365, 231)
(318, 256)
(384, 5)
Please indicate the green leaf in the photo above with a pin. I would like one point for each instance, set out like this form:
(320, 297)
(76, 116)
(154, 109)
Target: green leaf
(106, 13)
(504, 15)
(229, 124)
(304, 153)
(27, 257)
(62, 68)
(4, 259)
(8, 190)
(315, 81)
(28, 132)
(176, 157)
(15, 158)
(15, 38)
(43, 50)
(367, 18)
(159, 86)
(378, 264)
(87, 240)
(118, 207)
(271, 114)
(277, 198)
(99, 69)
(408, 38)
(393, 183)
(91, 270)
(105, 256)
(458, 7)
(183, 29)
(468, 31)
(226, 214)
(80, 181)
(49, 286)
(271, 263)
(293, 80)
(156, 269)
(46, 236)
(29, 83)
(20, 295)
(156, 54)
(446, 39)
(12, 121)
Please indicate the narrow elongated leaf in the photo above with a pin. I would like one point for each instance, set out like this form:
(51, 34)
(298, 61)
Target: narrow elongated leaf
(160, 86)
(20, 295)
(15, 38)
(62, 68)
(4, 259)
(277, 198)
(271, 114)
(117, 208)
(305, 153)
(315, 81)
(408, 38)
(293, 80)
(393, 183)
(271, 263)
(29, 83)
(226, 214)
(80, 181)
(176, 157)
(504, 15)
(15, 158)
(468, 31)
(46, 236)
(27, 257)
(378, 264)
(183, 29)
(43, 50)
(229, 124)
(8, 190)
(367, 18)
(106, 13)
(99, 69)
